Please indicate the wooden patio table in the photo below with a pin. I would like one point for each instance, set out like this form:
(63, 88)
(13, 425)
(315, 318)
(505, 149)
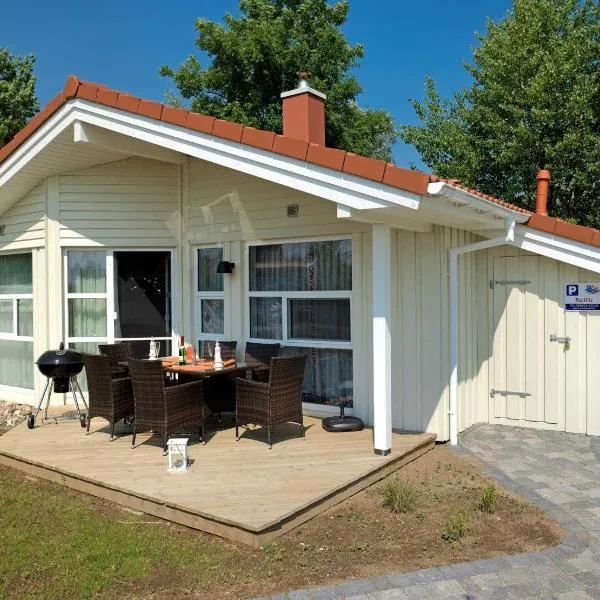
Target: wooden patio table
(201, 368)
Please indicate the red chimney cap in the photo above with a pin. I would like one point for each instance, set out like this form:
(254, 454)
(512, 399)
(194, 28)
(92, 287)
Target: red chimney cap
(543, 175)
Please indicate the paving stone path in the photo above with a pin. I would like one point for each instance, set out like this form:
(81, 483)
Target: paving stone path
(560, 472)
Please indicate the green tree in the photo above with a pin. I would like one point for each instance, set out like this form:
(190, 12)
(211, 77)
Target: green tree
(534, 103)
(254, 57)
(18, 102)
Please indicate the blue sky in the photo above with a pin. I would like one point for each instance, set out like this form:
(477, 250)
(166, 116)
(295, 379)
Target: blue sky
(123, 43)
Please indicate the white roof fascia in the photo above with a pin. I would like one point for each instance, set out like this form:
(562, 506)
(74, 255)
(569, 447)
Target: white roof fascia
(558, 248)
(462, 197)
(35, 143)
(343, 188)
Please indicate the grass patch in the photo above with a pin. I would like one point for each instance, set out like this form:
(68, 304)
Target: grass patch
(399, 496)
(489, 499)
(55, 547)
(456, 526)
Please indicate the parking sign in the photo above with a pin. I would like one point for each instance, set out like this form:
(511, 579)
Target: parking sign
(582, 296)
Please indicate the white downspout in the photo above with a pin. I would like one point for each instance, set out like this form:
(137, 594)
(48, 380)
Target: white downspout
(507, 238)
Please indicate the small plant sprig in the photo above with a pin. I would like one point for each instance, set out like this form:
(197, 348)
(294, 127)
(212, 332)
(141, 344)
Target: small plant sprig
(456, 526)
(489, 499)
(399, 496)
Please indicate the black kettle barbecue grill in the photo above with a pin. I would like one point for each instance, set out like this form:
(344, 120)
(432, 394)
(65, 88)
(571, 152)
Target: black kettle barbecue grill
(61, 367)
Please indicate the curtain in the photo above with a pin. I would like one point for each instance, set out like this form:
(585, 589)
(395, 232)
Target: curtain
(6, 316)
(208, 278)
(307, 267)
(16, 274)
(87, 272)
(328, 375)
(16, 356)
(87, 275)
(301, 267)
(319, 319)
(16, 363)
(265, 318)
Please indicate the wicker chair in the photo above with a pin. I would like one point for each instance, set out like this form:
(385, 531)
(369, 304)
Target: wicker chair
(117, 353)
(160, 408)
(258, 360)
(109, 398)
(227, 349)
(275, 402)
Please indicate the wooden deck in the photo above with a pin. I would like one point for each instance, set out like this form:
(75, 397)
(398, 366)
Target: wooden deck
(238, 490)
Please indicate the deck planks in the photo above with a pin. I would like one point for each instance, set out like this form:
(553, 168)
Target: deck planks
(239, 490)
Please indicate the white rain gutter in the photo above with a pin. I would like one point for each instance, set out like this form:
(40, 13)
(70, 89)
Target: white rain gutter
(507, 238)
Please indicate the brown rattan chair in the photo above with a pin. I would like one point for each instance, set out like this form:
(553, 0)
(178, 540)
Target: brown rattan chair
(109, 397)
(278, 401)
(163, 409)
(258, 360)
(227, 349)
(117, 353)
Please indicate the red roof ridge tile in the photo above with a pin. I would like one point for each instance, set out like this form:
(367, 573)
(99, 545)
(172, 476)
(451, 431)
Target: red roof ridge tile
(331, 158)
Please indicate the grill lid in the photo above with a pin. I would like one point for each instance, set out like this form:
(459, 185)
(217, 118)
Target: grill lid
(58, 357)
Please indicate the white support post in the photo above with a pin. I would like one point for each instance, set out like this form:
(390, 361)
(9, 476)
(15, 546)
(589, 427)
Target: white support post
(382, 357)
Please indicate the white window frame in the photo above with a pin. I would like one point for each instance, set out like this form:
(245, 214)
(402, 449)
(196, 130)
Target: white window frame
(14, 336)
(109, 295)
(285, 340)
(200, 336)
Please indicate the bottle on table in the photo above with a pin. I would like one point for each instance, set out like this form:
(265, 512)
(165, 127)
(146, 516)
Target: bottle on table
(182, 357)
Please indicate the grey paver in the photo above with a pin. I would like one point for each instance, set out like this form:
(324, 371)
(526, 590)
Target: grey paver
(557, 471)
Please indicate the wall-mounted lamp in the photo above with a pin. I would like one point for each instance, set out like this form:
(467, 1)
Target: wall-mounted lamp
(225, 267)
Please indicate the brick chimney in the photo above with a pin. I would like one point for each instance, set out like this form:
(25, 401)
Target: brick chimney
(541, 196)
(304, 112)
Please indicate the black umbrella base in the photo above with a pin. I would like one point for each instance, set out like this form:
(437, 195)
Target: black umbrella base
(343, 424)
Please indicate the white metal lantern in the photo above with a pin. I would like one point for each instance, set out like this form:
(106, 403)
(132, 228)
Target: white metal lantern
(178, 454)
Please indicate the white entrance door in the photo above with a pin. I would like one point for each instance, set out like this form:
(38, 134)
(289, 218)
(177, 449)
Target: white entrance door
(527, 383)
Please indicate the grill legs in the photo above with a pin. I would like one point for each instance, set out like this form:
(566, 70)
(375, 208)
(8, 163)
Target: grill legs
(47, 395)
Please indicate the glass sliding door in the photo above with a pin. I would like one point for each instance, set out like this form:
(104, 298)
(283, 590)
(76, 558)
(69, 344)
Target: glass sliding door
(300, 294)
(142, 289)
(118, 296)
(16, 321)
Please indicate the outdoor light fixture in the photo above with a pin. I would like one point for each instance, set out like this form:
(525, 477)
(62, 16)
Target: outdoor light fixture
(225, 267)
(178, 454)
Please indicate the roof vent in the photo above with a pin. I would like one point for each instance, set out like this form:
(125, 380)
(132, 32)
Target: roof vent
(292, 210)
(541, 196)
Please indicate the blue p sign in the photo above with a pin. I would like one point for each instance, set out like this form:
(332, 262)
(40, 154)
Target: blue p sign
(572, 290)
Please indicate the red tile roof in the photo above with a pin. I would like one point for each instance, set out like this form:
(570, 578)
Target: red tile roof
(339, 160)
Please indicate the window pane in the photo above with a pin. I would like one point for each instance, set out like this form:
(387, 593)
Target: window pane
(328, 375)
(300, 267)
(87, 317)
(15, 274)
(16, 363)
(208, 278)
(6, 316)
(213, 320)
(87, 272)
(265, 318)
(25, 317)
(325, 319)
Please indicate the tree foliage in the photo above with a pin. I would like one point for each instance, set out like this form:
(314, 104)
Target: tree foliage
(18, 102)
(254, 57)
(534, 103)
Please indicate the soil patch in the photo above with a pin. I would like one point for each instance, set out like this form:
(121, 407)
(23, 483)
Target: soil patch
(357, 538)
